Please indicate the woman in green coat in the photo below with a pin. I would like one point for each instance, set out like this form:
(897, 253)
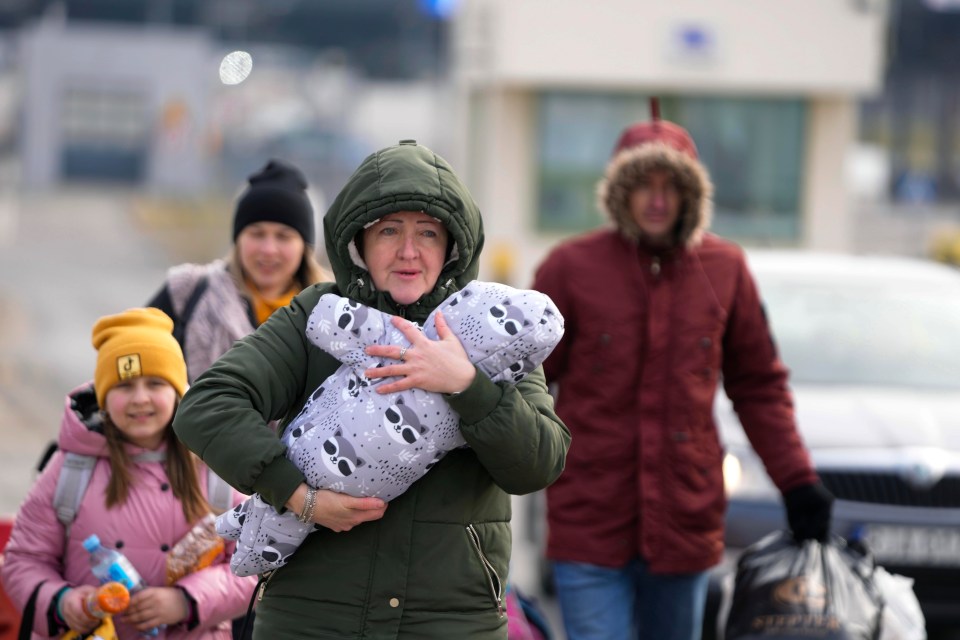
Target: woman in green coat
(402, 235)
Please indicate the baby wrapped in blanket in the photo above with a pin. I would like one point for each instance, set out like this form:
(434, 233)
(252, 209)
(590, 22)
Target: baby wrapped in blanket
(350, 439)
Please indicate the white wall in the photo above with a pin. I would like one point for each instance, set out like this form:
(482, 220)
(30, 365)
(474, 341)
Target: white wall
(782, 46)
(827, 197)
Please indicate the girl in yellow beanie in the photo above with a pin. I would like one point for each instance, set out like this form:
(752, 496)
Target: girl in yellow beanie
(146, 492)
(139, 378)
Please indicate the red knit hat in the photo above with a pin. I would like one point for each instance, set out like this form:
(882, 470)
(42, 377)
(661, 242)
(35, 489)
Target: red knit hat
(657, 130)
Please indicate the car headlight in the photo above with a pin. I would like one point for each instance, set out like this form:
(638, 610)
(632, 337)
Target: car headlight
(745, 477)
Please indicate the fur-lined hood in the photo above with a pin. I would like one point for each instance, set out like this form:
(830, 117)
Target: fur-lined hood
(627, 168)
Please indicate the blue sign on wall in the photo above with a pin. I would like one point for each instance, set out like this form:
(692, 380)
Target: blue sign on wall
(441, 9)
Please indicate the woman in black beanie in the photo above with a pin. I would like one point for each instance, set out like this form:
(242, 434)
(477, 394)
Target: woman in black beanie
(273, 259)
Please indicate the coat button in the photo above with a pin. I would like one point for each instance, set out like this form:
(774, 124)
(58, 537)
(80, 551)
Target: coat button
(164, 487)
(394, 602)
(164, 548)
(705, 342)
(119, 544)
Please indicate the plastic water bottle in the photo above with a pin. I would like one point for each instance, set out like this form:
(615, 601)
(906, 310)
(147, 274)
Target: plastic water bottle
(109, 565)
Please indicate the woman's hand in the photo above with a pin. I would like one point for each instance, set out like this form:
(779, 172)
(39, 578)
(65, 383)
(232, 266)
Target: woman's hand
(155, 606)
(72, 611)
(441, 366)
(338, 511)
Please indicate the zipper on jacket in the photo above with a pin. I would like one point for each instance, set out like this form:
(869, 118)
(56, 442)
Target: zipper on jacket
(493, 579)
(264, 581)
(402, 311)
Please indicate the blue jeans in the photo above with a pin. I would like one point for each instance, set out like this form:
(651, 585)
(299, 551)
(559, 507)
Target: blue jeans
(599, 603)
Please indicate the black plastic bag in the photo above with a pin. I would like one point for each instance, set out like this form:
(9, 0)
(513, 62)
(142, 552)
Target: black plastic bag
(802, 591)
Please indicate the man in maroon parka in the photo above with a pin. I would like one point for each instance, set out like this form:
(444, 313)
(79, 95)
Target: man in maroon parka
(658, 311)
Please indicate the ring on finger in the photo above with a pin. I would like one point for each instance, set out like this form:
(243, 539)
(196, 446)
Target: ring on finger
(403, 352)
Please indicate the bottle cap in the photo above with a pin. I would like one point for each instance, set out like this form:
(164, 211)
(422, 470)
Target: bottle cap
(113, 597)
(91, 543)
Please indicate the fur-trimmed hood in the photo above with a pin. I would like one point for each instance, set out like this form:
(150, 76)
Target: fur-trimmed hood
(628, 167)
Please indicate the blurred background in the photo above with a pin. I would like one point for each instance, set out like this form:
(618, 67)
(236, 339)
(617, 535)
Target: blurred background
(127, 129)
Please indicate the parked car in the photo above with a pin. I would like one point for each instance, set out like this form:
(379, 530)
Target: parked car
(873, 345)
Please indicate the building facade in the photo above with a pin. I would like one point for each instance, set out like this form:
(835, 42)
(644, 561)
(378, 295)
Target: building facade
(769, 91)
(125, 105)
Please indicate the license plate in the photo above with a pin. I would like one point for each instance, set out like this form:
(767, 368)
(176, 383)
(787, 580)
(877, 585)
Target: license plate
(914, 546)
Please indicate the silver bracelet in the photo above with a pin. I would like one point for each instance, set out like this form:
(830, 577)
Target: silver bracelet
(309, 502)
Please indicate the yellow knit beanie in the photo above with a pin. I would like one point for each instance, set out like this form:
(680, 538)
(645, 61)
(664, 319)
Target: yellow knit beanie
(137, 342)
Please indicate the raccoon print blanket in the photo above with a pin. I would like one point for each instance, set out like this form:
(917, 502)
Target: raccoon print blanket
(350, 439)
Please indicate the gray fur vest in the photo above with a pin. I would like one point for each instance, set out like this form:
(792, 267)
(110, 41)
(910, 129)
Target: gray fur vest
(220, 317)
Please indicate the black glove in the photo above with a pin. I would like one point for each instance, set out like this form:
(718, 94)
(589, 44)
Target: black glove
(808, 511)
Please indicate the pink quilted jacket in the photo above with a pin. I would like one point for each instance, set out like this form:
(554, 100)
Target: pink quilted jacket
(144, 529)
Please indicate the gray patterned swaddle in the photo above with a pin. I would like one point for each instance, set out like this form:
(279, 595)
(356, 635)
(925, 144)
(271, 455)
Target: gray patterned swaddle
(350, 439)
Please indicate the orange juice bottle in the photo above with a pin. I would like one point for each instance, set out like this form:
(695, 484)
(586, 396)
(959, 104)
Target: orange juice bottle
(109, 598)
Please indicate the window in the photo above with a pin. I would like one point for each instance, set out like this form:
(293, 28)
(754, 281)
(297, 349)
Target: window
(105, 134)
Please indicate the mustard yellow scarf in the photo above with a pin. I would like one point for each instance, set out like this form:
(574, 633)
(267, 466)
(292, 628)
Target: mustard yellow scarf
(263, 308)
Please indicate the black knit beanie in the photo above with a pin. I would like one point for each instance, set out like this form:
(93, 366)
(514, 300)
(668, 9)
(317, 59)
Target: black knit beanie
(277, 193)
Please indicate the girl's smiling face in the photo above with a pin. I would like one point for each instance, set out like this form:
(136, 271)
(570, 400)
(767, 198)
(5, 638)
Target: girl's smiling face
(405, 252)
(141, 409)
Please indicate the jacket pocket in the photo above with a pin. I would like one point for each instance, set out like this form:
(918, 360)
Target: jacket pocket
(494, 585)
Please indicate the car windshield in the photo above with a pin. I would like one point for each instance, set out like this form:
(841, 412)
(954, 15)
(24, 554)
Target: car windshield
(876, 334)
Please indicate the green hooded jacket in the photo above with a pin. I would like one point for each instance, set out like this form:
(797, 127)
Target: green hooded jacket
(435, 565)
